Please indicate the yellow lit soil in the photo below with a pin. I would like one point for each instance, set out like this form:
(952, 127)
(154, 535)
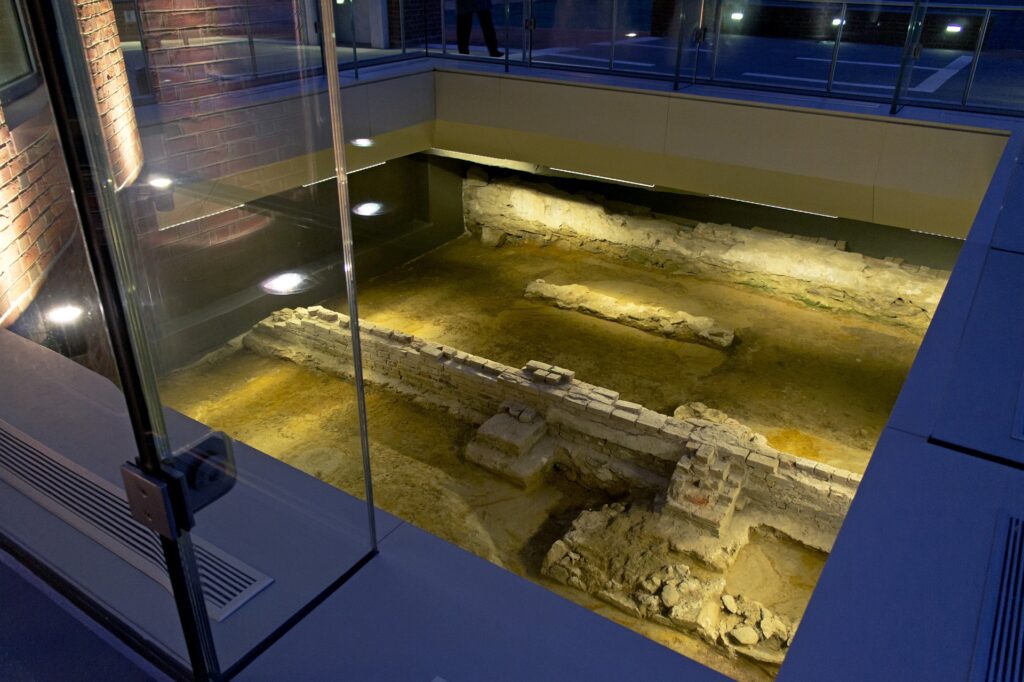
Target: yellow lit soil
(817, 384)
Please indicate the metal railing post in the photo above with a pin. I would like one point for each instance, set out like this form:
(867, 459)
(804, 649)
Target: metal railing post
(252, 44)
(401, 24)
(352, 24)
(717, 36)
(348, 259)
(977, 56)
(835, 50)
(444, 32)
(700, 38)
(614, 30)
(909, 56)
(508, 14)
(528, 28)
(679, 46)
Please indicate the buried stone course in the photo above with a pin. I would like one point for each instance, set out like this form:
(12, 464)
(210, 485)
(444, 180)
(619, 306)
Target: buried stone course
(816, 272)
(541, 418)
(674, 324)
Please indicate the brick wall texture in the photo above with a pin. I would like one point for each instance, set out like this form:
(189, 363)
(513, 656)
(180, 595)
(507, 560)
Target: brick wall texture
(110, 80)
(37, 217)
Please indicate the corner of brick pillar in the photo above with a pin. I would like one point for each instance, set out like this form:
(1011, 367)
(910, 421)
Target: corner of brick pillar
(102, 43)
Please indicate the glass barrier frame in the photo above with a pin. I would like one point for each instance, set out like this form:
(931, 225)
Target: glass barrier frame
(66, 74)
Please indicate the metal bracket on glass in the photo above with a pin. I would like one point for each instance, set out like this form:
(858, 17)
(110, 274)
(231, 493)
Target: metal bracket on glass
(197, 475)
(529, 23)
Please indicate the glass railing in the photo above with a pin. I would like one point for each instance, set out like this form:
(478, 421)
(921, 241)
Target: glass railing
(176, 530)
(965, 56)
(948, 55)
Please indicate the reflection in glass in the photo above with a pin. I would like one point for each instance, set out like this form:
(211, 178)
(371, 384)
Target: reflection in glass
(998, 78)
(779, 44)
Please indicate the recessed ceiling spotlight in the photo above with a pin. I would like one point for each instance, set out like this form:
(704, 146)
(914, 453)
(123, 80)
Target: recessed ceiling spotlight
(954, 28)
(838, 22)
(631, 34)
(287, 283)
(64, 314)
(736, 16)
(160, 182)
(368, 208)
(362, 142)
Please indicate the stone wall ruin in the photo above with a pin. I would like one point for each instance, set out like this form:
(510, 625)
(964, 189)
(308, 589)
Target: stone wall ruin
(816, 272)
(673, 324)
(541, 418)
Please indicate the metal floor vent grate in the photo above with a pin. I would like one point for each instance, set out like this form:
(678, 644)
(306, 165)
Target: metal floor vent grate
(98, 508)
(999, 653)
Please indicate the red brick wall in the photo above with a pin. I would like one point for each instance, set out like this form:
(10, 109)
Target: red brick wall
(207, 77)
(113, 96)
(37, 217)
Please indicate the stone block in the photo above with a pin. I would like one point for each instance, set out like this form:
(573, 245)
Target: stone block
(526, 471)
(627, 406)
(651, 419)
(510, 435)
(432, 352)
(625, 416)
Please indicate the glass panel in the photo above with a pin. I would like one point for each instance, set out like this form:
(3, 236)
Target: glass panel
(871, 49)
(948, 39)
(572, 33)
(284, 39)
(515, 41)
(418, 26)
(64, 424)
(376, 32)
(223, 209)
(777, 44)
(999, 78)
(345, 31)
(14, 59)
(647, 36)
(127, 17)
(475, 27)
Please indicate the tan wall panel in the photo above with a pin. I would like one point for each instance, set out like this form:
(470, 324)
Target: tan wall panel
(933, 179)
(607, 117)
(398, 102)
(792, 141)
(892, 171)
(464, 98)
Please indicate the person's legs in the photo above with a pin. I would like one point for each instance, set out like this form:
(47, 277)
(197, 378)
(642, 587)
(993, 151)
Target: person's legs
(463, 26)
(487, 25)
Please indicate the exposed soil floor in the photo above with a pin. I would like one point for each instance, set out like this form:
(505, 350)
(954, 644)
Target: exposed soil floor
(815, 383)
(818, 384)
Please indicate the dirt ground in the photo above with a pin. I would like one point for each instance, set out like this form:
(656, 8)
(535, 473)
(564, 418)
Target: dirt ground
(817, 384)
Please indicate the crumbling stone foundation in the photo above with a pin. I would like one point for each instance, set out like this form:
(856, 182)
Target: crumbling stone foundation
(702, 469)
(817, 272)
(674, 324)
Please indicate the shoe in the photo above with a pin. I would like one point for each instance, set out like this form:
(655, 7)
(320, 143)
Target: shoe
(497, 54)
(463, 52)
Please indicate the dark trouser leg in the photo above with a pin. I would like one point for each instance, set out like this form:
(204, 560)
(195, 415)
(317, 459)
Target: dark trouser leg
(488, 28)
(463, 26)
